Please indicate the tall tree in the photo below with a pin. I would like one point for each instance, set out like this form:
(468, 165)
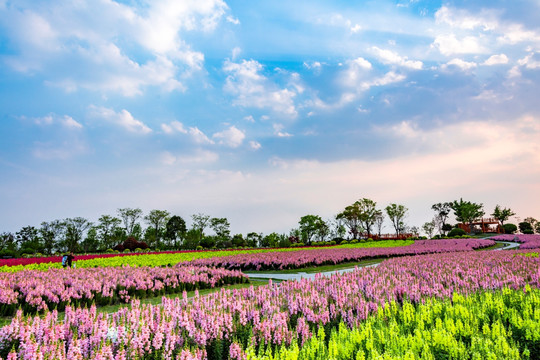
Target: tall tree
(51, 233)
(351, 217)
(175, 230)
(429, 228)
(310, 226)
(91, 241)
(502, 215)
(130, 217)
(397, 214)
(29, 240)
(74, 233)
(8, 243)
(442, 211)
(379, 221)
(200, 222)
(466, 212)
(253, 239)
(368, 214)
(108, 227)
(221, 227)
(157, 219)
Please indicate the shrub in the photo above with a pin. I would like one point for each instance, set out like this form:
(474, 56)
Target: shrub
(509, 228)
(369, 239)
(354, 241)
(199, 247)
(127, 251)
(331, 242)
(138, 250)
(109, 251)
(456, 232)
(345, 242)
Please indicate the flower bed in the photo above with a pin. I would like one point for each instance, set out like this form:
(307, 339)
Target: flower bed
(528, 241)
(37, 290)
(299, 259)
(223, 323)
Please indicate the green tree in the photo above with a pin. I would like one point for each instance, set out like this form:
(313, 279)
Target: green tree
(502, 215)
(221, 227)
(354, 216)
(157, 219)
(107, 228)
(271, 240)
(429, 228)
(175, 230)
(29, 240)
(91, 241)
(200, 223)
(397, 214)
(442, 211)
(8, 245)
(254, 240)
(379, 221)
(75, 229)
(51, 233)
(526, 227)
(192, 239)
(310, 225)
(532, 221)
(466, 212)
(238, 240)
(130, 218)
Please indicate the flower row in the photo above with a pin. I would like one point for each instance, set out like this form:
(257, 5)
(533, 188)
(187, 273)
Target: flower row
(37, 290)
(528, 241)
(216, 325)
(299, 259)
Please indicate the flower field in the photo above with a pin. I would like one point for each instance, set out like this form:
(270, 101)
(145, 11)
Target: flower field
(164, 258)
(54, 289)
(529, 241)
(462, 305)
(305, 258)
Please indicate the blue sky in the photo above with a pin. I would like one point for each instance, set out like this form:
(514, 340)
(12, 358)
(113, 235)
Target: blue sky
(265, 111)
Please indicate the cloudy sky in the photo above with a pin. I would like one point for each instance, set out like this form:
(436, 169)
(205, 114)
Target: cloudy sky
(265, 111)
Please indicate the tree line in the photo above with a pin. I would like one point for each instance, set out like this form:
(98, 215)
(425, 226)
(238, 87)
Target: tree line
(165, 231)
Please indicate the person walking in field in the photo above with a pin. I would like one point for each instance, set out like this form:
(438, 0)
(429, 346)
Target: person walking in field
(67, 260)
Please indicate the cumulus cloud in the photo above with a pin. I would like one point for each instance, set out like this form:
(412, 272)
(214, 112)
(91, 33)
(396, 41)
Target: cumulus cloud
(391, 57)
(102, 38)
(66, 121)
(173, 127)
(531, 61)
(198, 136)
(231, 137)
(462, 64)
(252, 89)
(450, 45)
(122, 118)
(254, 145)
(496, 60)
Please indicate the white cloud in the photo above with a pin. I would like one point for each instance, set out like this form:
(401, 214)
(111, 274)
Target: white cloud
(254, 145)
(496, 60)
(173, 127)
(69, 122)
(235, 53)
(249, 118)
(254, 90)
(122, 118)
(531, 61)
(464, 20)
(278, 130)
(463, 65)
(233, 20)
(232, 137)
(167, 158)
(515, 33)
(450, 45)
(391, 57)
(198, 136)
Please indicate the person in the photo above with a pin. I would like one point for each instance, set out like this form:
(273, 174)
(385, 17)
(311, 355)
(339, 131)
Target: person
(67, 260)
(70, 259)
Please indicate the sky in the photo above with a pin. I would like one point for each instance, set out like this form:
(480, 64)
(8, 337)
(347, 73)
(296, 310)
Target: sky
(265, 111)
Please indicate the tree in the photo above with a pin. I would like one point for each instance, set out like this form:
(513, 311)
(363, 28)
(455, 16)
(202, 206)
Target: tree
(238, 240)
(379, 221)
(29, 240)
(157, 219)
(532, 221)
(107, 229)
(509, 228)
(466, 212)
(175, 229)
(397, 214)
(311, 225)
(270, 240)
(502, 215)
(359, 216)
(200, 222)
(338, 228)
(253, 239)
(8, 246)
(429, 228)
(51, 233)
(442, 211)
(526, 227)
(74, 232)
(91, 242)
(130, 217)
(221, 227)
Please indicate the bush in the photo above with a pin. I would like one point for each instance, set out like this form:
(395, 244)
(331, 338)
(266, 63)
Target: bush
(456, 232)
(199, 247)
(345, 242)
(127, 251)
(354, 241)
(138, 250)
(331, 242)
(109, 251)
(369, 240)
(528, 231)
(509, 228)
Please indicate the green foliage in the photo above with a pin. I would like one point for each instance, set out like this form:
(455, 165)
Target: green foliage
(510, 228)
(526, 227)
(466, 211)
(499, 325)
(455, 232)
